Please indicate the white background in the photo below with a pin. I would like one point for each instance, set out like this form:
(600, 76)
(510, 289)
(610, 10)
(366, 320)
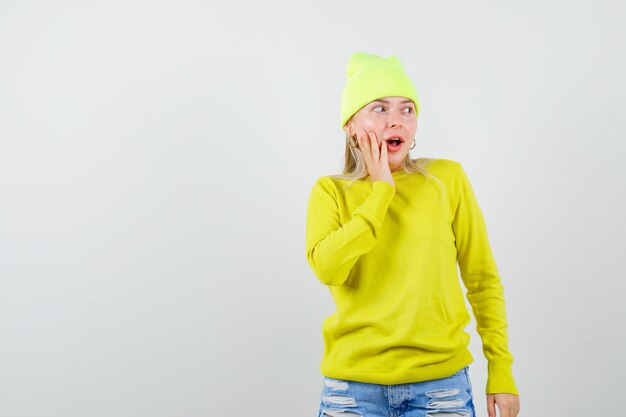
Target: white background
(156, 160)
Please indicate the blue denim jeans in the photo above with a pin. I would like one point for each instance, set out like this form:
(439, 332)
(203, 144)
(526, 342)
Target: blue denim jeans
(445, 397)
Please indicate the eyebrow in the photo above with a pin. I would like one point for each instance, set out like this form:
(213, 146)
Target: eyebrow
(387, 101)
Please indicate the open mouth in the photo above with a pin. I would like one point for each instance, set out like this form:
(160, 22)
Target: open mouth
(394, 143)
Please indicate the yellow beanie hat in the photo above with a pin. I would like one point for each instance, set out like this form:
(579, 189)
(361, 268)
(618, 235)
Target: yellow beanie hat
(370, 77)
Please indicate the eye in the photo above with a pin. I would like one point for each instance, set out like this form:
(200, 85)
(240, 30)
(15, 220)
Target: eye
(408, 110)
(378, 109)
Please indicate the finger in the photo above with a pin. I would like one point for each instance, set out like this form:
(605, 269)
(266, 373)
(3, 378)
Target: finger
(383, 152)
(381, 143)
(375, 146)
(491, 409)
(367, 153)
(368, 143)
(365, 146)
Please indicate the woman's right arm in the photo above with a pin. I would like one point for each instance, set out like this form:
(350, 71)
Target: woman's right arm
(332, 248)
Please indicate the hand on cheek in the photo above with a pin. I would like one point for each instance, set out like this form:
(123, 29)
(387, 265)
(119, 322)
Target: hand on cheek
(375, 156)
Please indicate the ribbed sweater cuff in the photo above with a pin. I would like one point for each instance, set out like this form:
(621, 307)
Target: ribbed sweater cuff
(500, 379)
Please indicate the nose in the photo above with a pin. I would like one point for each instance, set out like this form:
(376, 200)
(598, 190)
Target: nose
(393, 119)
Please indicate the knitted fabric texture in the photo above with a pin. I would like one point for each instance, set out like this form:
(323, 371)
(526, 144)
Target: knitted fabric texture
(370, 77)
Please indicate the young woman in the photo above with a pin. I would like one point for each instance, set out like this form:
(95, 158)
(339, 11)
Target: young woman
(386, 238)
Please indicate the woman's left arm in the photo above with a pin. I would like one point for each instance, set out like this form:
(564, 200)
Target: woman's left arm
(485, 292)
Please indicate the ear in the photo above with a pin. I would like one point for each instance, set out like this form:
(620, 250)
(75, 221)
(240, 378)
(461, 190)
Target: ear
(347, 129)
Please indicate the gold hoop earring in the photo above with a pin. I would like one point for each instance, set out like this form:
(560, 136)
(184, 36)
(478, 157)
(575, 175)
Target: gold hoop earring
(413, 144)
(352, 141)
(352, 148)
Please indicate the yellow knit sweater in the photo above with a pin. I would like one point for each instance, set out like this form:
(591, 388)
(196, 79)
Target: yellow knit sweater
(389, 257)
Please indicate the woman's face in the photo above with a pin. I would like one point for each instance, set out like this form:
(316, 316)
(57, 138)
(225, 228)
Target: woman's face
(393, 120)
